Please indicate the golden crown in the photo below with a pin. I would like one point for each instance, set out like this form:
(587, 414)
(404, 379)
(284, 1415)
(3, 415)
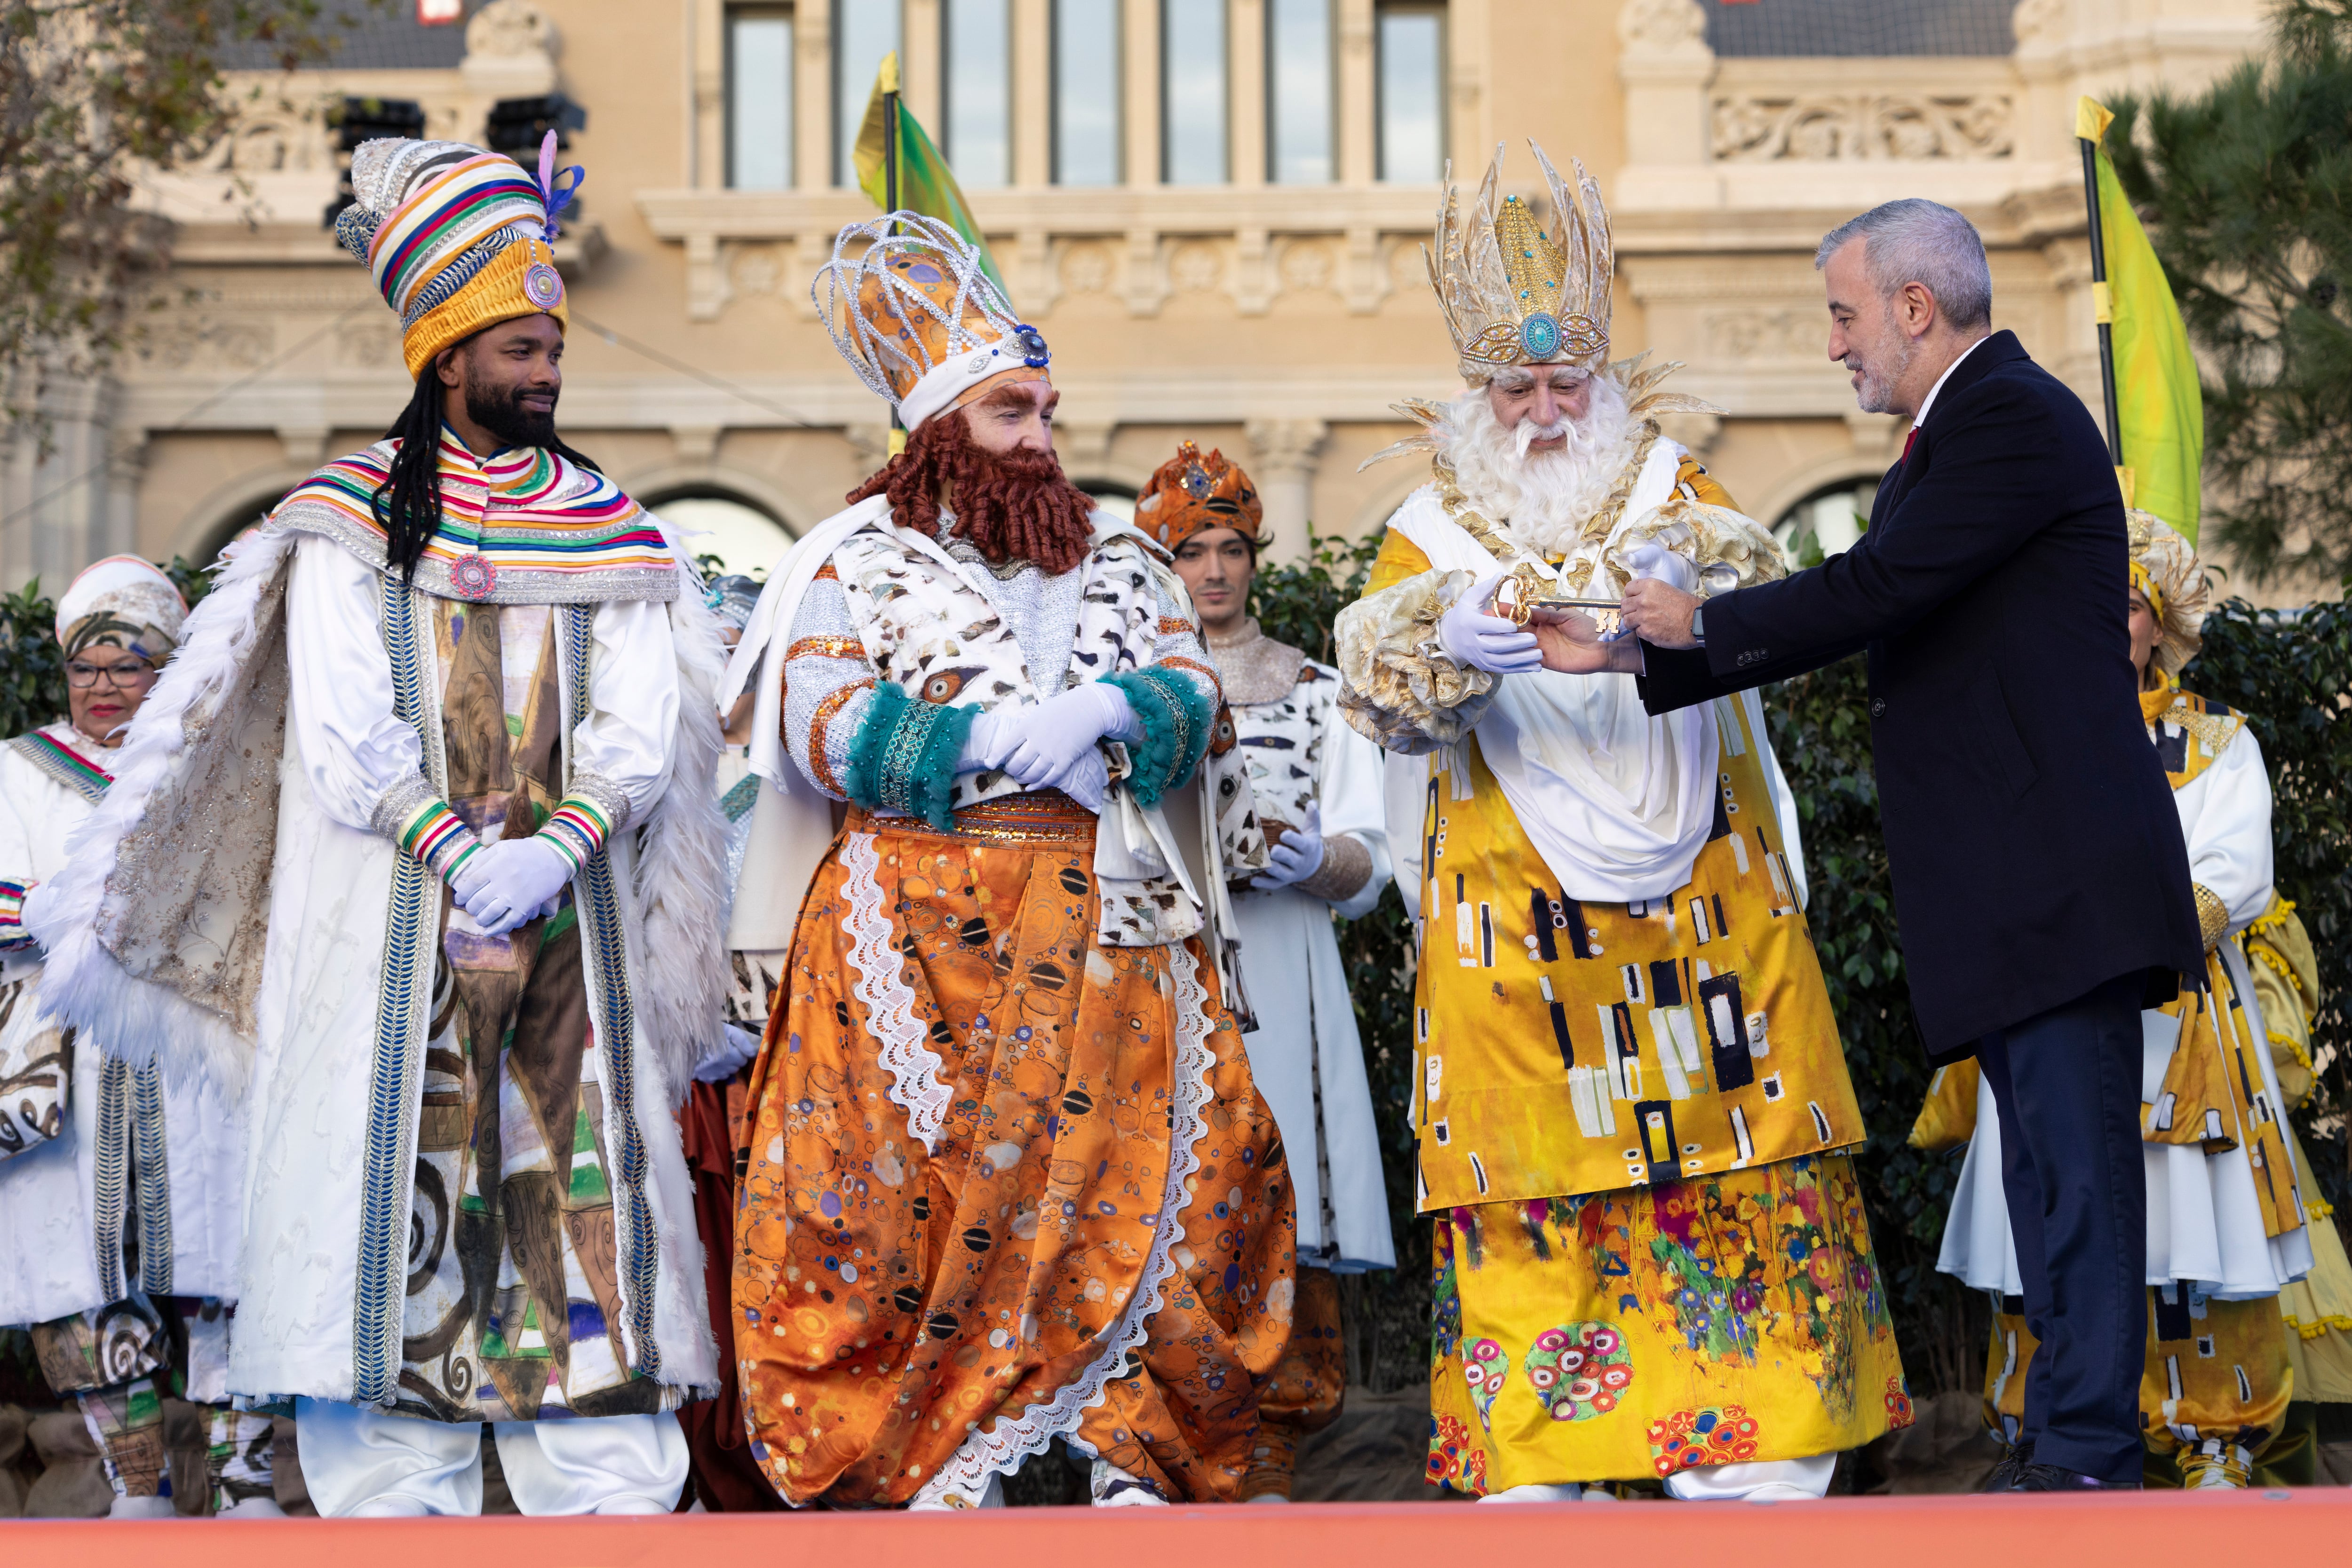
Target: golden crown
(1514, 294)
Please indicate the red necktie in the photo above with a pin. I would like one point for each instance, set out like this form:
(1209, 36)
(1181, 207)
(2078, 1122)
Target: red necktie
(1911, 437)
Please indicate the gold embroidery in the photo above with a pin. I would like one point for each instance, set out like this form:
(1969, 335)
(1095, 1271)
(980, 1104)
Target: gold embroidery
(2212, 914)
(1180, 663)
(818, 768)
(825, 648)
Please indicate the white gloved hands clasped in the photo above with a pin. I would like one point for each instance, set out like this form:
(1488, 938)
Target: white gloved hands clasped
(1297, 857)
(1052, 746)
(1473, 638)
(510, 881)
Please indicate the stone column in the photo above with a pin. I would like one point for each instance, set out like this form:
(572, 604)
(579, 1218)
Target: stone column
(55, 496)
(1284, 471)
(125, 473)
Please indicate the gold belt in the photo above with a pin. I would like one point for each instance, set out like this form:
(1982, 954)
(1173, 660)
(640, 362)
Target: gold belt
(1036, 817)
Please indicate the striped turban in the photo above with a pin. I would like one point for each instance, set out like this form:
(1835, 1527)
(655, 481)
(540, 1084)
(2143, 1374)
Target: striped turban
(458, 239)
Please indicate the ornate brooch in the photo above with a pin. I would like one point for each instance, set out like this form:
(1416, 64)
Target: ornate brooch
(542, 286)
(472, 576)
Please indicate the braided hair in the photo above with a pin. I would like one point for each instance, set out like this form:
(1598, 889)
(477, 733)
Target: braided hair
(407, 504)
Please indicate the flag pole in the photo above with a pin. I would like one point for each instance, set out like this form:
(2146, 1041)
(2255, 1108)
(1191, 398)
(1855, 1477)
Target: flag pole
(2099, 300)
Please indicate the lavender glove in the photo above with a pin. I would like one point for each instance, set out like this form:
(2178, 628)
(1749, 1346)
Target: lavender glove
(1047, 746)
(1474, 639)
(512, 881)
(1297, 857)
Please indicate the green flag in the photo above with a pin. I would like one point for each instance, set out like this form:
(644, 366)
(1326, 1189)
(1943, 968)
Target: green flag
(926, 183)
(2159, 408)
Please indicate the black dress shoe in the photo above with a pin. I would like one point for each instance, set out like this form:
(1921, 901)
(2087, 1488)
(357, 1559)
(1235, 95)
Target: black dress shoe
(2057, 1477)
(2008, 1475)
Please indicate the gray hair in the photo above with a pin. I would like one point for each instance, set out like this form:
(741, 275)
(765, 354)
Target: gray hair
(1923, 241)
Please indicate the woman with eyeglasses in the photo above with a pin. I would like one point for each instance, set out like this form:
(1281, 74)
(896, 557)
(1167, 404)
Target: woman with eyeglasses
(118, 1188)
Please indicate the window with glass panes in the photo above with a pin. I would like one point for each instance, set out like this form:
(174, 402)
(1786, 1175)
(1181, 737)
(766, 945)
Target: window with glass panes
(976, 90)
(1411, 41)
(760, 98)
(1192, 92)
(1086, 92)
(862, 32)
(1299, 95)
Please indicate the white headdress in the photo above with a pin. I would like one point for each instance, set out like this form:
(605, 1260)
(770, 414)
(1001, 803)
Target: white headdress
(918, 318)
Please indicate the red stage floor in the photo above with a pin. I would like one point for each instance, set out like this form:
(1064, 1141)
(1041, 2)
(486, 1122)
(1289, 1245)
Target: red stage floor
(2311, 1527)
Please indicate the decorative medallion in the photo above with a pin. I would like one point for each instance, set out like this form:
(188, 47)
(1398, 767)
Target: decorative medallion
(1582, 336)
(1196, 481)
(542, 286)
(1540, 335)
(473, 577)
(1031, 344)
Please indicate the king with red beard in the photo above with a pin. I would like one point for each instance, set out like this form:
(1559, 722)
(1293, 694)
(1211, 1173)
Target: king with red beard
(1008, 1178)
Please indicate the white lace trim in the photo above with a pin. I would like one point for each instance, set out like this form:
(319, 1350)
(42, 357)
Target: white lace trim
(914, 1067)
(998, 1449)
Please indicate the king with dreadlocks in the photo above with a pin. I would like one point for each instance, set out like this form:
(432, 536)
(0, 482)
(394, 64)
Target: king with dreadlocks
(1008, 1177)
(413, 851)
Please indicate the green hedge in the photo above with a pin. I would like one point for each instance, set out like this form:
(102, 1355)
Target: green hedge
(2290, 670)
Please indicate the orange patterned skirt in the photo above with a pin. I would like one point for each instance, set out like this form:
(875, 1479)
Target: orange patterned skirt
(1004, 1184)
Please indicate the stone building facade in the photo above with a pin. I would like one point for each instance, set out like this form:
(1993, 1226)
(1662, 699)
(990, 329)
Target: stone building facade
(1214, 210)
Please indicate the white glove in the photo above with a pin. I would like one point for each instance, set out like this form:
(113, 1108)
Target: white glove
(512, 881)
(1482, 642)
(983, 740)
(1297, 857)
(1047, 747)
(1655, 564)
(742, 1045)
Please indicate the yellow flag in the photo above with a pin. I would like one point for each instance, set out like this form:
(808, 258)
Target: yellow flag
(2160, 411)
(926, 183)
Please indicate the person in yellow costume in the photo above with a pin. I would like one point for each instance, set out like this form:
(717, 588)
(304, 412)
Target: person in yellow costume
(2227, 1205)
(1631, 1106)
(2317, 1307)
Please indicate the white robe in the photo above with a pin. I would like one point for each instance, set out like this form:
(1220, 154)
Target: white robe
(2204, 1223)
(1306, 1044)
(51, 1238)
(306, 1070)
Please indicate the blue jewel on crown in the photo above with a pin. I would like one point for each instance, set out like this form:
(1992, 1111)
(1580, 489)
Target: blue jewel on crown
(1031, 344)
(1540, 335)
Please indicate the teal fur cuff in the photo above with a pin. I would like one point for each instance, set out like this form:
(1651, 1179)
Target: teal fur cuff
(904, 754)
(1175, 718)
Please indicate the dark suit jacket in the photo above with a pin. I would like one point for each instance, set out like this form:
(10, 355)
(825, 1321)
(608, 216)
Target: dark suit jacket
(2031, 831)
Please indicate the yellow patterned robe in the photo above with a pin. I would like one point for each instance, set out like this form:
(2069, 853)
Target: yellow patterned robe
(1651, 1249)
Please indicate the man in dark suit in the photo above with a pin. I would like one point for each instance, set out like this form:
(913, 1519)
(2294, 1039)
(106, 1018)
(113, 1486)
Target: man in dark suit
(2043, 891)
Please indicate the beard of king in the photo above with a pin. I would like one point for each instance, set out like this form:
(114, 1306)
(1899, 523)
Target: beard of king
(1540, 500)
(1015, 505)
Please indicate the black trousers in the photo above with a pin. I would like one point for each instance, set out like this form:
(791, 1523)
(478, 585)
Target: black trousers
(2067, 1086)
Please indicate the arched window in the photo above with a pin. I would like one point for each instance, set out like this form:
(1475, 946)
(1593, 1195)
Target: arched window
(1827, 522)
(744, 538)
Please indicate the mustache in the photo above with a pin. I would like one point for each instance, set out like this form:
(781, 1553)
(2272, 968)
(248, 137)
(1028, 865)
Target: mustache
(1529, 433)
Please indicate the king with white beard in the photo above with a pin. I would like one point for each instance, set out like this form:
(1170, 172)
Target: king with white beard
(1633, 1114)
